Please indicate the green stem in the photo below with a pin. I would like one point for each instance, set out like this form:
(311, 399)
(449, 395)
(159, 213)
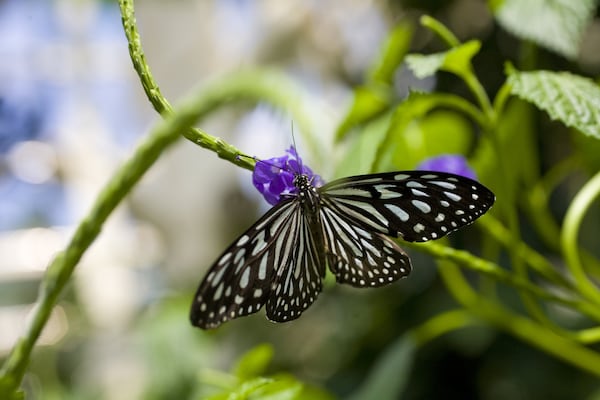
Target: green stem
(487, 268)
(479, 92)
(572, 223)
(61, 268)
(541, 217)
(444, 33)
(508, 208)
(441, 324)
(270, 87)
(501, 98)
(160, 103)
(538, 198)
(534, 259)
(528, 331)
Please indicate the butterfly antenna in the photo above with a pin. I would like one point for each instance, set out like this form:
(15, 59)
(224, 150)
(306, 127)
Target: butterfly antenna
(258, 159)
(296, 150)
(240, 156)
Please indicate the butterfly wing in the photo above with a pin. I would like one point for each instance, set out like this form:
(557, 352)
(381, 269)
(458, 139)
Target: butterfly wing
(358, 256)
(299, 280)
(414, 205)
(239, 282)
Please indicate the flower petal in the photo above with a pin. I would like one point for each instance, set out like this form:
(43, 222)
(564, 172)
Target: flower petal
(275, 176)
(451, 163)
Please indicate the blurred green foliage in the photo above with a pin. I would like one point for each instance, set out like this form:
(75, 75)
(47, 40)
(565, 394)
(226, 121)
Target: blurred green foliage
(512, 310)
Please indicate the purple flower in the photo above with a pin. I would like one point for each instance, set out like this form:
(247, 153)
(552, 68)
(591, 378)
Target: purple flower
(451, 163)
(274, 178)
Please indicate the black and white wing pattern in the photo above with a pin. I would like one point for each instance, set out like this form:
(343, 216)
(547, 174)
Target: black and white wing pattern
(239, 282)
(280, 261)
(358, 256)
(276, 262)
(416, 206)
(299, 279)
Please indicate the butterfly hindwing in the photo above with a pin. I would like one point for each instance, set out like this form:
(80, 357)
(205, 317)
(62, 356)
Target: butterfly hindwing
(360, 257)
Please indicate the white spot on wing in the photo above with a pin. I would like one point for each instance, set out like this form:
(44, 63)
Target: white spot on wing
(242, 240)
(262, 268)
(419, 193)
(245, 279)
(453, 196)
(445, 185)
(349, 191)
(218, 292)
(413, 184)
(224, 259)
(421, 205)
(400, 213)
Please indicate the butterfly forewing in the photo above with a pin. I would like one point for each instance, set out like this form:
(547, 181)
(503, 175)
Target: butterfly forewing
(239, 282)
(415, 205)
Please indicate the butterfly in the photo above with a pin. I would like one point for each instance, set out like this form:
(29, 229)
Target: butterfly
(280, 261)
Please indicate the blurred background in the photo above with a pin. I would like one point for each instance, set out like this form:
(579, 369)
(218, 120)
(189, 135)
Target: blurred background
(72, 109)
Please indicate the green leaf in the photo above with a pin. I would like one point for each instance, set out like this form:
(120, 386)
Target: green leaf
(395, 48)
(244, 390)
(287, 388)
(571, 99)
(389, 376)
(456, 60)
(556, 25)
(254, 362)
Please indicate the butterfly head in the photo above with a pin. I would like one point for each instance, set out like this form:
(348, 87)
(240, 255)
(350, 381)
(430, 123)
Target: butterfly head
(279, 177)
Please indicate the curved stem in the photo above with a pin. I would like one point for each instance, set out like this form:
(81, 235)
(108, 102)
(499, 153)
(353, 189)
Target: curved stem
(487, 268)
(160, 103)
(479, 92)
(61, 268)
(441, 324)
(526, 330)
(444, 33)
(572, 223)
(538, 198)
(508, 208)
(501, 98)
(271, 87)
(535, 260)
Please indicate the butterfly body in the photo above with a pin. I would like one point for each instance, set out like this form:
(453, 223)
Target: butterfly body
(281, 260)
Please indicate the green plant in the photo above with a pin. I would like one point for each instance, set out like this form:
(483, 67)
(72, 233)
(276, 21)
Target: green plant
(381, 129)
